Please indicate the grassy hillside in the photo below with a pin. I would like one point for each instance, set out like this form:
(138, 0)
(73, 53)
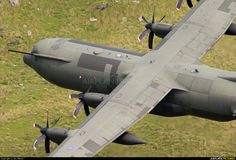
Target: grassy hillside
(25, 97)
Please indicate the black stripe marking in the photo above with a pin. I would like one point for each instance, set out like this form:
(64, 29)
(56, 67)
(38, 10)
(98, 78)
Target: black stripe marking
(97, 63)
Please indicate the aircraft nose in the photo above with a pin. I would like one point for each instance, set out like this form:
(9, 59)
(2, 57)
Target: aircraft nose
(27, 60)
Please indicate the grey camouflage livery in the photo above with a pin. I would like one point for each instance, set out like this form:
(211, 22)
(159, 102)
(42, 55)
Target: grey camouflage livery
(125, 86)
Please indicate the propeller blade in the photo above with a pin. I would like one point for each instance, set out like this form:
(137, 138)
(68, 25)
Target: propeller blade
(86, 109)
(142, 18)
(162, 19)
(143, 34)
(47, 145)
(37, 141)
(47, 121)
(179, 4)
(153, 16)
(77, 109)
(55, 121)
(190, 4)
(37, 126)
(150, 40)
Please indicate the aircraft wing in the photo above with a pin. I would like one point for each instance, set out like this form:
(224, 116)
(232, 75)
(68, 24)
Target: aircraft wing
(198, 31)
(129, 102)
(150, 80)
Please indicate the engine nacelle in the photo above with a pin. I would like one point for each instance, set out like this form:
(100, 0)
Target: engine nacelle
(94, 99)
(231, 30)
(128, 139)
(209, 106)
(57, 135)
(161, 30)
(169, 110)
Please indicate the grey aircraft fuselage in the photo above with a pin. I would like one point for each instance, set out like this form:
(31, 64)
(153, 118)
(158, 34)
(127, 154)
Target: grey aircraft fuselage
(77, 65)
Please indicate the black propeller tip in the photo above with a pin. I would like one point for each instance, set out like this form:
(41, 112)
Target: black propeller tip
(153, 16)
(190, 4)
(86, 109)
(150, 40)
(47, 145)
(55, 121)
(47, 125)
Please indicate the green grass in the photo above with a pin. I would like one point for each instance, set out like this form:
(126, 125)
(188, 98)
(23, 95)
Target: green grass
(25, 96)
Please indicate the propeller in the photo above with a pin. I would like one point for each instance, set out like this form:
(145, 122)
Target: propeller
(44, 134)
(149, 29)
(180, 2)
(80, 104)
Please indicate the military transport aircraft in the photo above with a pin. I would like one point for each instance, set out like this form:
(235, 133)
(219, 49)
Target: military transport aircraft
(124, 86)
